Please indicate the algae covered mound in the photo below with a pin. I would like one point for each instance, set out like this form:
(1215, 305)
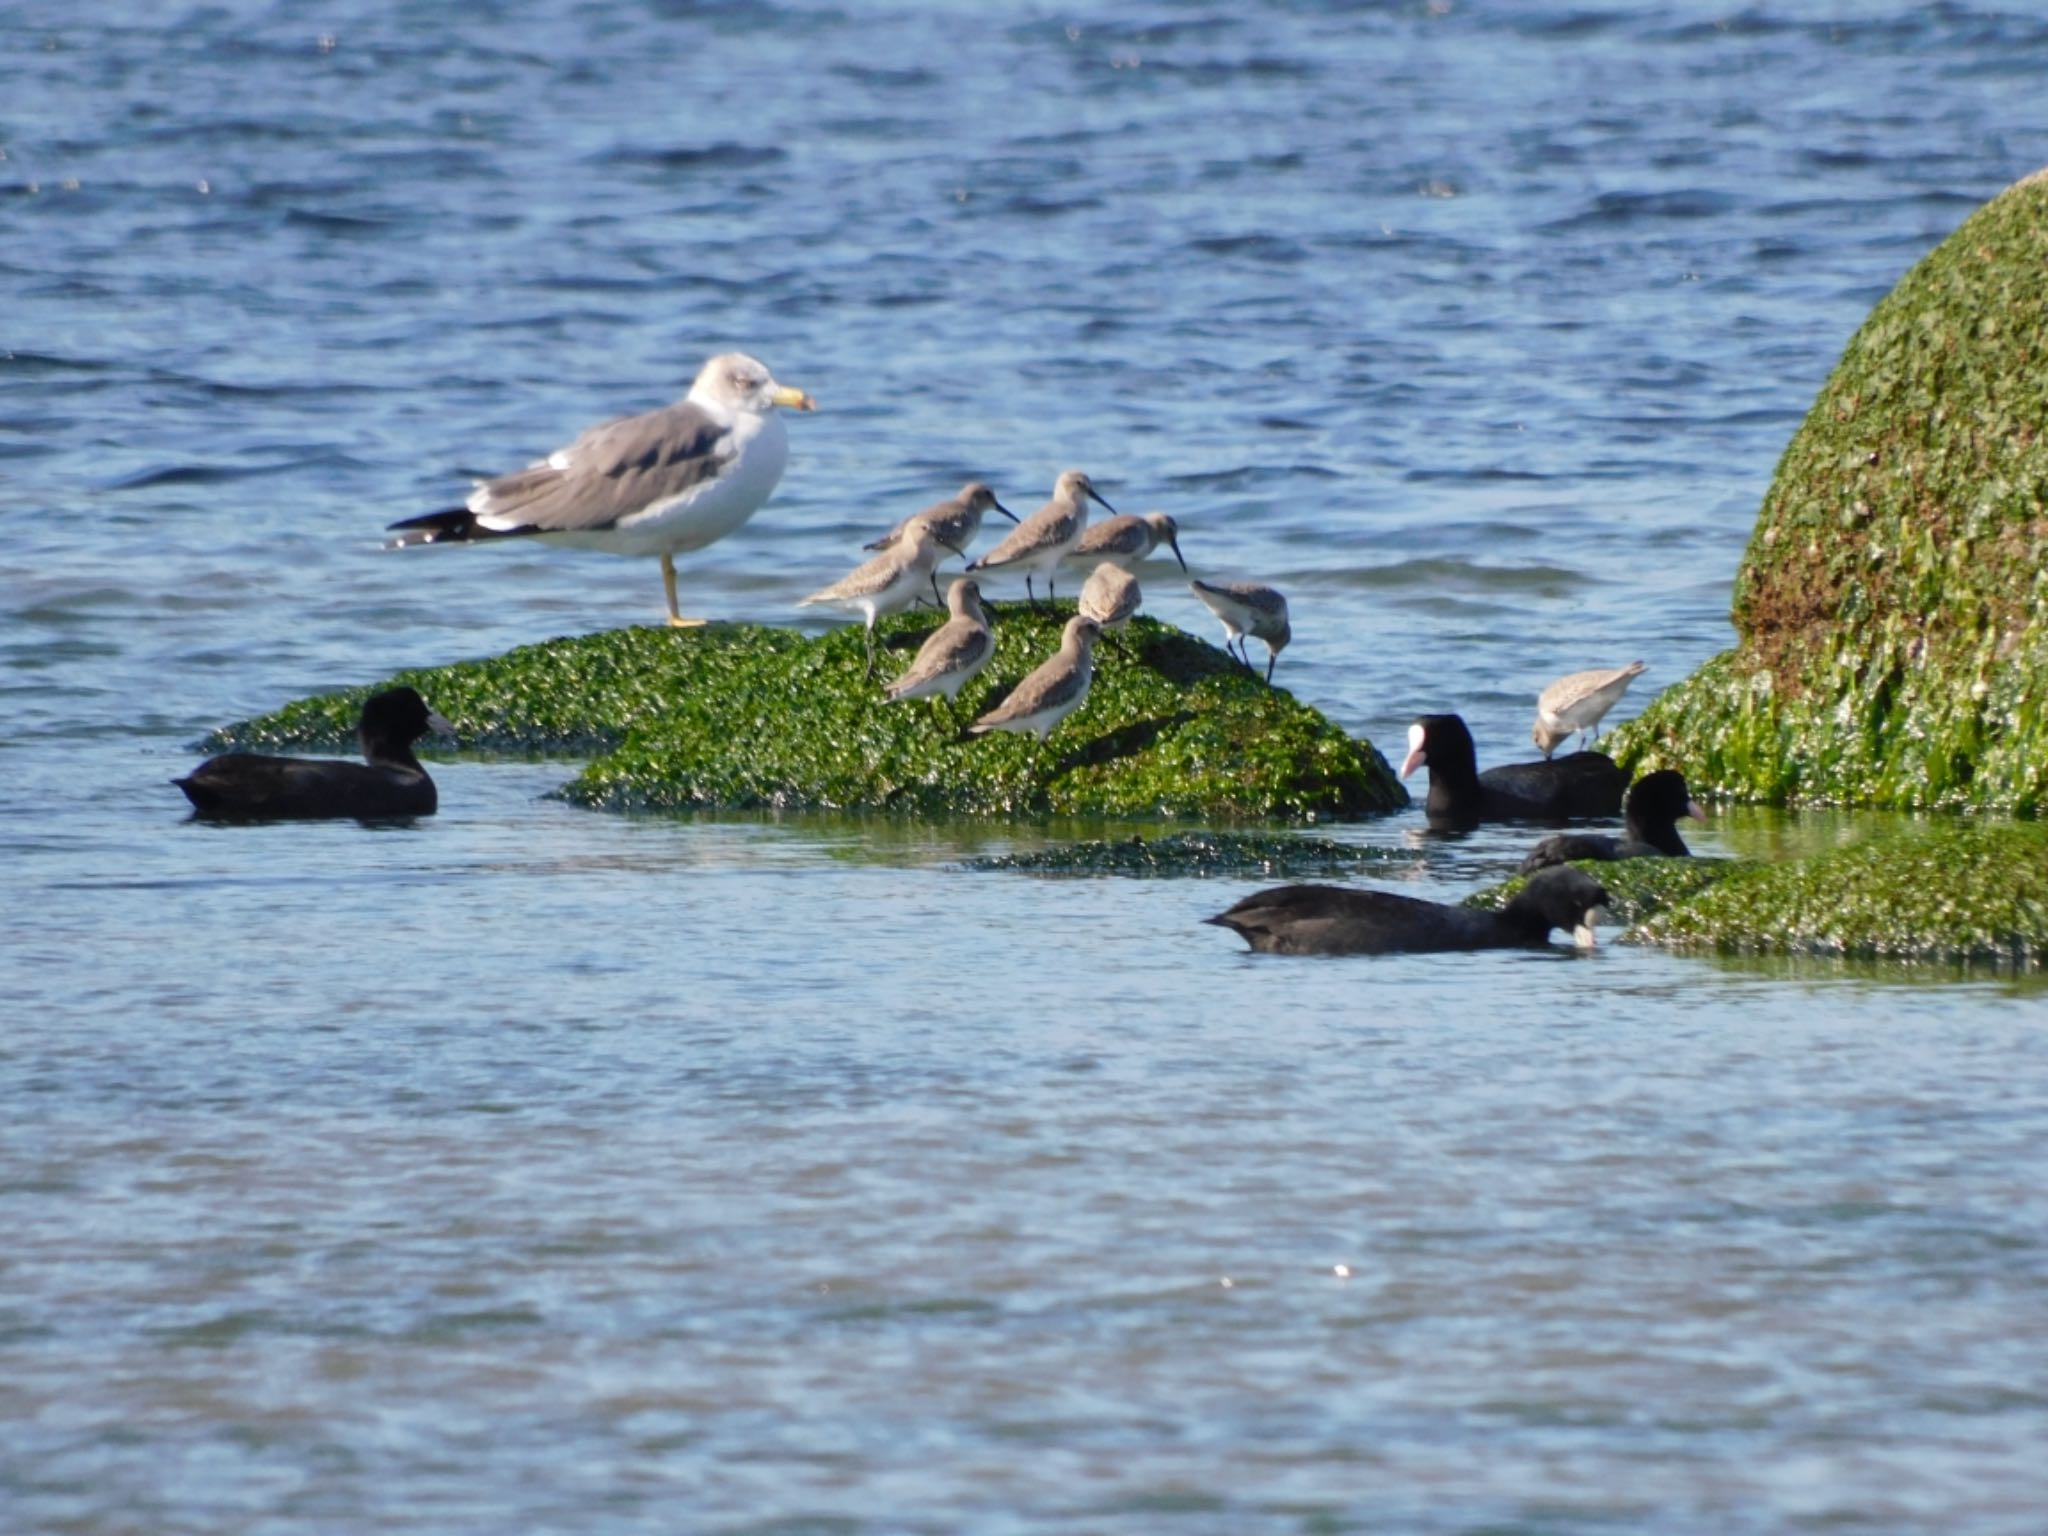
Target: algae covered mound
(1893, 603)
(1636, 888)
(742, 717)
(1957, 891)
(1950, 891)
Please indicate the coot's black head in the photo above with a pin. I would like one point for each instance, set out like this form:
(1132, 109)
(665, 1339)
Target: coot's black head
(1662, 797)
(1442, 743)
(393, 720)
(1565, 898)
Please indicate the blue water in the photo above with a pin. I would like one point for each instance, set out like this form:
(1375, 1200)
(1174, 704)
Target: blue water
(536, 1170)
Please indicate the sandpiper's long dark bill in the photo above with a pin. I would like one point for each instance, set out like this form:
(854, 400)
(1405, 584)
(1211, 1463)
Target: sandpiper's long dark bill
(660, 483)
(1247, 608)
(1043, 539)
(1577, 702)
(1052, 691)
(953, 654)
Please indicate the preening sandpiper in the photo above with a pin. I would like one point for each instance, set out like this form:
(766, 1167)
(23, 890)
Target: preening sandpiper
(1109, 596)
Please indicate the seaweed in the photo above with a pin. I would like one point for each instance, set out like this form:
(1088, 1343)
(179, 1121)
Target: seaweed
(748, 717)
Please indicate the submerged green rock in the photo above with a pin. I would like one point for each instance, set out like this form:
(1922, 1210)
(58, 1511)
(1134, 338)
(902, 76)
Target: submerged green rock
(1274, 856)
(742, 717)
(1952, 891)
(1636, 888)
(1892, 607)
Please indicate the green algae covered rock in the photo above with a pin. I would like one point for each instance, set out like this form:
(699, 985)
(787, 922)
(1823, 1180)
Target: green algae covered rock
(1952, 891)
(1636, 888)
(1959, 891)
(1202, 855)
(1892, 606)
(744, 717)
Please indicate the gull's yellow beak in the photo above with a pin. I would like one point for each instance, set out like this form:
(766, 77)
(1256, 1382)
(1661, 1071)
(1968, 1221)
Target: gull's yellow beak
(795, 399)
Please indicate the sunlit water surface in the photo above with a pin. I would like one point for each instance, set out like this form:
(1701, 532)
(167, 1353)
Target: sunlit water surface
(534, 1170)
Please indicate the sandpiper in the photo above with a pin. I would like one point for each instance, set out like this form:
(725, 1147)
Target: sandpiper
(1042, 540)
(953, 522)
(1576, 703)
(1247, 608)
(1053, 691)
(954, 653)
(1127, 539)
(1109, 596)
(887, 584)
(661, 483)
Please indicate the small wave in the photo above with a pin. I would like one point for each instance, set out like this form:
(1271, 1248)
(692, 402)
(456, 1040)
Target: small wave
(1267, 248)
(221, 474)
(337, 223)
(1430, 473)
(1448, 573)
(1612, 209)
(726, 155)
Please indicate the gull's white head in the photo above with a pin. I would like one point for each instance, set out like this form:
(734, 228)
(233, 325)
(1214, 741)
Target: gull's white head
(738, 382)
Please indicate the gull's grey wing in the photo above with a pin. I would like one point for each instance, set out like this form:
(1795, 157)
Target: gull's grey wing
(613, 470)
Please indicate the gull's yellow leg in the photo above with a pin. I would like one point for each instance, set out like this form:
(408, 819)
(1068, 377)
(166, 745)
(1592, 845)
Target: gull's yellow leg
(668, 584)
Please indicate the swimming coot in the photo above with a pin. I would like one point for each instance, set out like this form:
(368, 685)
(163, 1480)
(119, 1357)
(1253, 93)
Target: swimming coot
(1581, 784)
(250, 786)
(1654, 804)
(1341, 920)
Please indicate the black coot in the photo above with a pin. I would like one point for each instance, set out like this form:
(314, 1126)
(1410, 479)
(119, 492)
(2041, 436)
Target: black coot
(1654, 804)
(250, 786)
(1580, 784)
(1339, 920)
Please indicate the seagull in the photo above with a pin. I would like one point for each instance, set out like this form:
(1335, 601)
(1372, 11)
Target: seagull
(954, 653)
(1247, 608)
(1127, 540)
(1053, 691)
(1577, 702)
(670, 480)
(887, 584)
(1042, 540)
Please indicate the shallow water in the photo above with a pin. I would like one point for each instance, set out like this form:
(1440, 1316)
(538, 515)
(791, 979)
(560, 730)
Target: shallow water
(530, 1169)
